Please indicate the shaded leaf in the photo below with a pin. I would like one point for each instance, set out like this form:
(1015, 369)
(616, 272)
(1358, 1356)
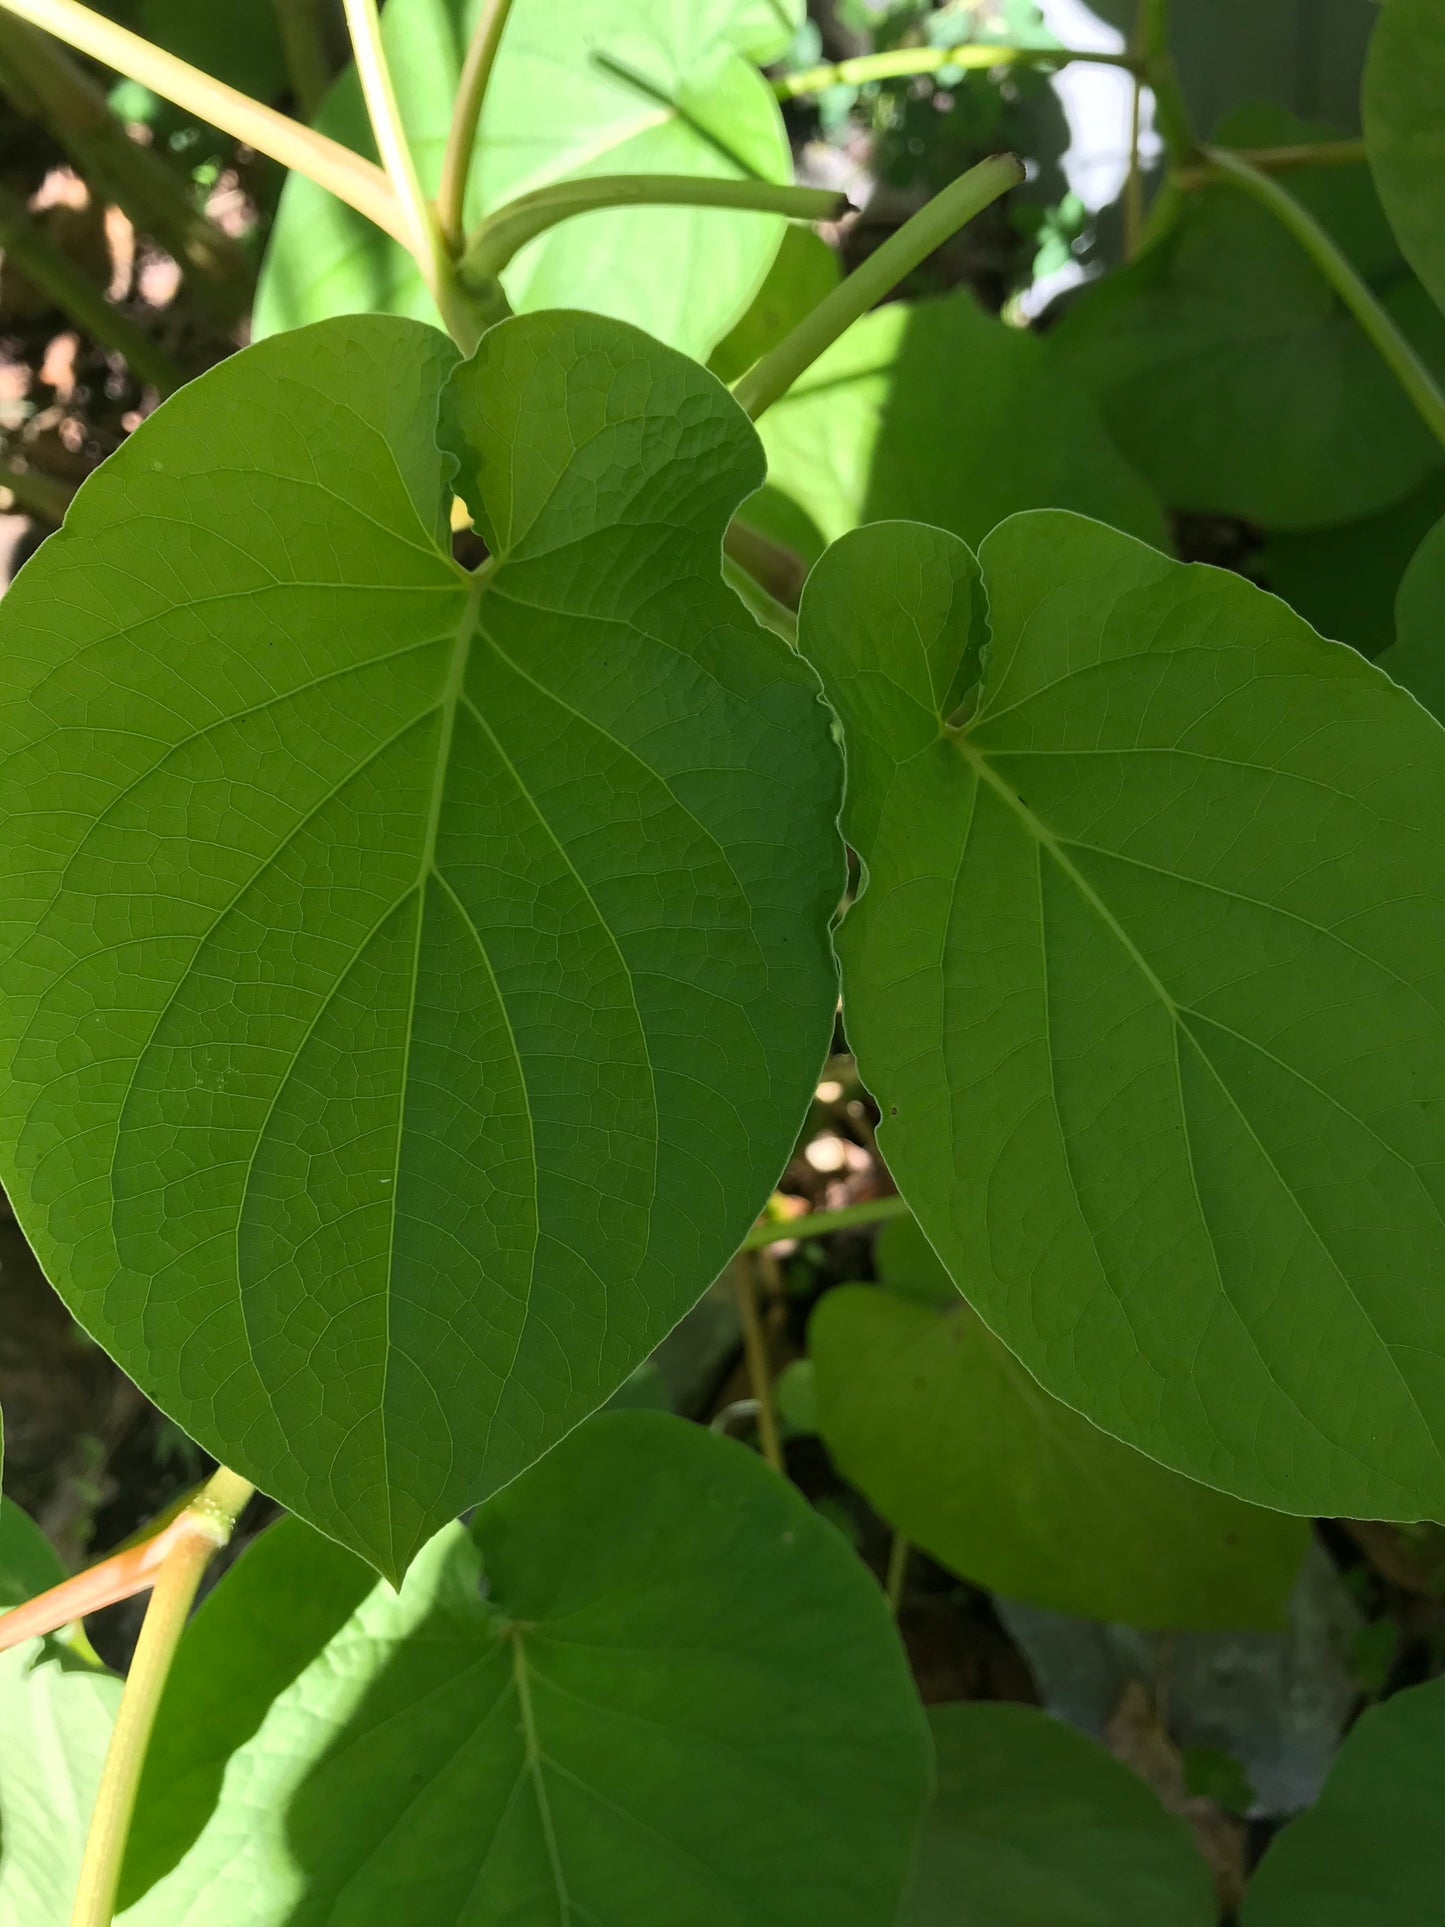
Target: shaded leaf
(581, 87)
(415, 980)
(1371, 1853)
(935, 410)
(1228, 370)
(1404, 112)
(1034, 1822)
(952, 1442)
(1417, 658)
(654, 1687)
(1147, 982)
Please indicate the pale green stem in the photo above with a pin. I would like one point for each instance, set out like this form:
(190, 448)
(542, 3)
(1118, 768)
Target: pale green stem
(423, 236)
(1406, 366)
(898, 256)
(818, 1224)
(212, 1516)
(755, 1351)
(360, 183)
(499, 238)
(466, 118)
(897, 1577)
(900, 63)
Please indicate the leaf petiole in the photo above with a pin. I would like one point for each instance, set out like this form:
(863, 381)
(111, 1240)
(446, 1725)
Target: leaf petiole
(477, 68)
(901, 63)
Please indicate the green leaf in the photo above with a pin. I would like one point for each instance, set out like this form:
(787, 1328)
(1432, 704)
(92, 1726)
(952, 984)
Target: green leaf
(1404, 114)
(935, 410)
(1369, 1853)
(656, 1689)
(952, 1442)
(581, 87)
(1417, 658)
(1343, 580)
(1033, 1822)
(29, 1564)
(414, 981)
(1146, 981)
(805, 271)
(239, 41)
(1230, 373)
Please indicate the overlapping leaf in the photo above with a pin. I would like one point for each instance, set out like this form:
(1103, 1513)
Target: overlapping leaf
(937, 411)
(959, 1449)
(581, 87)
(413, 981)
(1417, 657)
(651, 1686)
(1404, 112)
(1147, 981)
(1230, 373)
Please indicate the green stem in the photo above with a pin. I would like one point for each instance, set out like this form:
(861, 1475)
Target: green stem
(1406, 366)
(497, 240)
(902, 62)
(360, 183)
(47, 85)
(303, 43)
(897, 1576)
(818, 1224)
(1283, 160)
(211, 1519)
(423, 236)
(30, 249)
(1171, 111)
(466, 118)
(755, 1351)
(35, 493)
(898, 256)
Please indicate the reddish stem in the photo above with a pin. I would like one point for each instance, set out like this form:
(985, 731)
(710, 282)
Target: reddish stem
(121, 1576)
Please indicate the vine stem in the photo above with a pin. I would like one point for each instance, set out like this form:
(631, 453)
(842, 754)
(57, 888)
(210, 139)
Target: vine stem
(423, 234)
(1380, 328)
(358, 182)
(497, 239)
(901, 63)
(818, 1224)
(198, 1534)
(897, 1575)
(898, 256)
(755, 1351)
(481, 57)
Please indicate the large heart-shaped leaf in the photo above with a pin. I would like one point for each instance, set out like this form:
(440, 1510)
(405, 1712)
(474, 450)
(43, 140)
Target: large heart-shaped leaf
(415, 980)
(937, 411)
(1404, 113)
(1147, 980)
(580, 87)
(952, 1442)
(1034, 1823)
(1229, 371)
(651, 1687)
(1371, 1852)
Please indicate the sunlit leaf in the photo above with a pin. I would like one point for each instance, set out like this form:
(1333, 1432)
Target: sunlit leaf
(651, 1686)
(414, 980)
(1148, 979)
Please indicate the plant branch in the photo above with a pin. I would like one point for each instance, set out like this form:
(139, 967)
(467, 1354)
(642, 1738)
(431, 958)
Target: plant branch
(46, 498)
(1171, 111)
(308, 63)
(422, 234)
(900, 63)
(818, 1224)
(47, 85)
(481, 57)
(29, 248)
(896, 1579)
(755, 1350)
(899, 255)
(358, 182)
(1399, 356)
(199, 1533)
(499, 238)
(1283, 160)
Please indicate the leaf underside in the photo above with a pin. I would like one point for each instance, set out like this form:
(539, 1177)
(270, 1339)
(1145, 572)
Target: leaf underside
(414, 980)
(1147, 979)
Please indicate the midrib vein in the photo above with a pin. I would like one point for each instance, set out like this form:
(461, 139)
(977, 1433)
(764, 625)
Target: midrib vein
(532, 1752)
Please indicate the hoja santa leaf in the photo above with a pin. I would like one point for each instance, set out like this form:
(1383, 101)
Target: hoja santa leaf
(1404, 114)
(650, 1687)
(953, 1443)
(1148, 978)
(413, 980)
(581, 87)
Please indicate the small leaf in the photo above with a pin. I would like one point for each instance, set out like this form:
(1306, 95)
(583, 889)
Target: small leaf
(952, 1442)
(1230, 373)
(415, 981)
(656, 1689)
(1404, 113)
(1033, 1823)
(1417, 659)
(1147, 982)
(935, 410)
(29, 1564)
(581, 87)
(1370, 1852)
